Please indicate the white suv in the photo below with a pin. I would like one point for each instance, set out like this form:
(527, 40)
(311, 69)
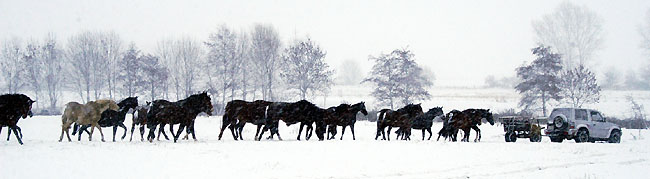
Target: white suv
(583, 125)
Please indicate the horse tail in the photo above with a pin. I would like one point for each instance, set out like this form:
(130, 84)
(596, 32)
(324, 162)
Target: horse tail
(382, 114)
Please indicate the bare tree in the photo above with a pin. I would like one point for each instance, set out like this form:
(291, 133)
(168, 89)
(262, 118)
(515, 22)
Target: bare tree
(539, 80)
(574, 31)
(154, 75)
(398, 79)
(644, 31)
(52, 57)
(110, 46)
(349, 73)
(265, 44)
(82, 53)
(578, 86)
(612, 78)
(33, 69)
(225, 58)
(129, 70)
(12, 64)
(304, 68)
(182, 57)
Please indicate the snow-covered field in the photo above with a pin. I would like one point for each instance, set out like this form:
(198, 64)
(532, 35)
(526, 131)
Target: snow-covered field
(43, 156)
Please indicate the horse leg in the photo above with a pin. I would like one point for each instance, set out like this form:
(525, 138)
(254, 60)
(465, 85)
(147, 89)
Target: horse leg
(100, 132)
(90, 135)
(257, 131)
(20, 141)
(342, 132)
(193, 134)
(19, 131)
(124, 127)
(388, 132)
(430, 134)
(239, 131)
(171, 130)
(178, 134)
(423, 134)
(141, 132)
(310, 129)
(62, 131)
(114, 131)
(162, 129)
(478, 133)
(132, 129)
(276, 131)
(352, 129)
(300, 130)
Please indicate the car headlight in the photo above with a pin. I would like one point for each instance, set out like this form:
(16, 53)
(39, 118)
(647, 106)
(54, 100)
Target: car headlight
(558, 121)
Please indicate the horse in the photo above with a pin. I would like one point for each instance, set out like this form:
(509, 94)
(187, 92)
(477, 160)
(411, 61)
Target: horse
(12, 108)
(401, 118)
(85, 114)
(302, 111)
(345, 115)
(423, 122)
(470, 119)
(447, 131)
(140, 119)
(182, 112)
(239, 112)
(113, 118)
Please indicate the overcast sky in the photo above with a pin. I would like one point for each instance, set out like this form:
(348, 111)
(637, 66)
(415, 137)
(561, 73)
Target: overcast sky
(461, 41)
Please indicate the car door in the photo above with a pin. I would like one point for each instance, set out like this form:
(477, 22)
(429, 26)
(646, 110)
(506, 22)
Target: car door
(600, 128)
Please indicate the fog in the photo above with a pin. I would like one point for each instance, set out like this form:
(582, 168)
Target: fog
(462, 42)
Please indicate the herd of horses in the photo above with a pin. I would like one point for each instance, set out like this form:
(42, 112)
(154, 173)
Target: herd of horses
(265, 115)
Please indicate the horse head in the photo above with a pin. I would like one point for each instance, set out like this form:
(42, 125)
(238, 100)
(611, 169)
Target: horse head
(128, 103)
(361, 107)
(435, 112)
(485, 113)
(200, 102)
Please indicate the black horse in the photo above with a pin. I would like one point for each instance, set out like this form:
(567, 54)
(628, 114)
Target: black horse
(303, 112)
(112, 118)
(181, 112)
(12, 108)
(423, 122)
(345, 115)
(401, 118)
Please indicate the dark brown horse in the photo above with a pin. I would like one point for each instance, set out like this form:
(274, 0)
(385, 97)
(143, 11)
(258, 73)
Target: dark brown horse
(470, 119)
(423, 122)
(303, 112)
(344, 115)
(239, 112)
(12, 108)
(140, 119)
(401, 118)
(181, 112)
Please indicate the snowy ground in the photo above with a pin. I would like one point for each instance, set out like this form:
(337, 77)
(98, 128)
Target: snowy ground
(43, 157)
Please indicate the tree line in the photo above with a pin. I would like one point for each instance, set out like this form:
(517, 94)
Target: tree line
(230, 64)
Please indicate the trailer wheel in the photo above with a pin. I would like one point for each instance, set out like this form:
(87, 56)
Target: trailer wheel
(511, 137)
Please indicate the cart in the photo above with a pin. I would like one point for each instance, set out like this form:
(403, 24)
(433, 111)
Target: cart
(522, 127)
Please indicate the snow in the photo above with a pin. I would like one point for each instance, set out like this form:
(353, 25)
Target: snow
(43, 156)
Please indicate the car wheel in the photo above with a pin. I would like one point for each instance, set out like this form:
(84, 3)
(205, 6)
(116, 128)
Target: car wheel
(535, 138)
(557, 139)
(582, 136)
(558, 122)
(615, 137)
